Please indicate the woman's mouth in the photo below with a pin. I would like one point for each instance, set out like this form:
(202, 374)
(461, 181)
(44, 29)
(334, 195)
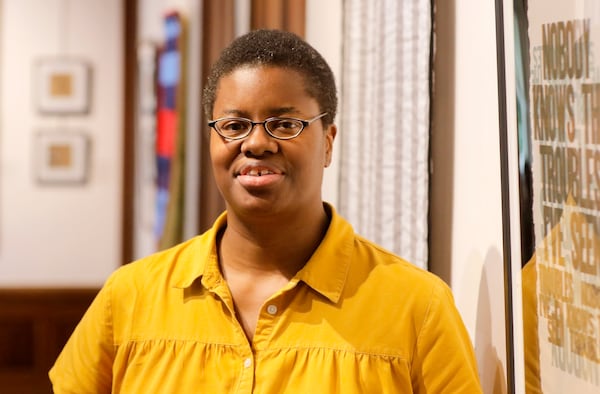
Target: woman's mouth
(258, 176)
(255, 172)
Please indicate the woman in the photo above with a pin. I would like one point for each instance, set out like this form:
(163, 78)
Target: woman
(280, 295)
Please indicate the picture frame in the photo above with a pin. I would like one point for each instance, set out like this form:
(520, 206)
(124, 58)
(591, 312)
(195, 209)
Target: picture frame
(63, 86)
(61, 157)
(511, 223)
(548, 85)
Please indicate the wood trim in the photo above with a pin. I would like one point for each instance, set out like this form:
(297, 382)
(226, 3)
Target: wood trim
(295, 17)
(35, 324)
(129, 68)
(288, 15)
(268, 14)
(218, 30)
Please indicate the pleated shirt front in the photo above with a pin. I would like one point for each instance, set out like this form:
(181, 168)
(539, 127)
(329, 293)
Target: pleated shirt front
(355, 319)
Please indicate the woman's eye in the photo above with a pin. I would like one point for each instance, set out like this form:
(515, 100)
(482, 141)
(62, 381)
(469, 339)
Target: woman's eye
(234, 125)
(285, 124)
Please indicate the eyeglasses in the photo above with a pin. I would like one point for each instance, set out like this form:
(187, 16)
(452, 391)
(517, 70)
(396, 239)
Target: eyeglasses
(280, 128)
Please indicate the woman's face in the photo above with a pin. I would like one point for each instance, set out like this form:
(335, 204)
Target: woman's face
(261, 175)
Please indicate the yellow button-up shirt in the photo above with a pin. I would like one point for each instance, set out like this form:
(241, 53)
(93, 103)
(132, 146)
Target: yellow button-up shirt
(355, 319)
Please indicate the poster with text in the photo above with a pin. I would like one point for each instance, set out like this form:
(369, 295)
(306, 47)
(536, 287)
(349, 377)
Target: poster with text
(564, 114)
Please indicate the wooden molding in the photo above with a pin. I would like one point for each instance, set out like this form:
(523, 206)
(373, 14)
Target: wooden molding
(35, 324)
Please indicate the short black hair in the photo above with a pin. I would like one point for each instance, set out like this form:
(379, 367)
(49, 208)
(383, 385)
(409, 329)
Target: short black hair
(280, 49)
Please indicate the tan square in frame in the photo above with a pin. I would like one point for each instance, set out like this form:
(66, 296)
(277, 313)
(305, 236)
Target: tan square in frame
(61, 157)
(63, 86)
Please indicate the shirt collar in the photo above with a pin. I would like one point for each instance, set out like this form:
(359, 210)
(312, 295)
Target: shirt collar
(327, 269)
(325, 272)
(202, 259)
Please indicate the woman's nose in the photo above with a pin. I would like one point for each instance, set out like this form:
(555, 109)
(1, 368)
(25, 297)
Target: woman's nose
(258, 142)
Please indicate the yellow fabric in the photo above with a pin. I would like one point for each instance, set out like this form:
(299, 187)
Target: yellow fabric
(530, 327)
(355, 319)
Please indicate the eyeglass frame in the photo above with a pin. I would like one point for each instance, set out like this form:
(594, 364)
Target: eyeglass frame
(304, 123)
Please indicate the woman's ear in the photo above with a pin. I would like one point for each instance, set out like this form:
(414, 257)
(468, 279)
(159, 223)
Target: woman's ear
(330, 134)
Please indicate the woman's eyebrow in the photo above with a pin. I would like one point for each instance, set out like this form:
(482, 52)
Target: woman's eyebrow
(278, 111)
(283, 111)
(234, 112)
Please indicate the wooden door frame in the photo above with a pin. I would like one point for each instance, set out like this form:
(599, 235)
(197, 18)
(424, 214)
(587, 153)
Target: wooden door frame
(129, 85)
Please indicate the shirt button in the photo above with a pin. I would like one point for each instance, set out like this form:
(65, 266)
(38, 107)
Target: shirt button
(272, 309)
(247, 362)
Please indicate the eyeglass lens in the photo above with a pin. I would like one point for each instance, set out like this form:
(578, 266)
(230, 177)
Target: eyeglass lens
(278, 127)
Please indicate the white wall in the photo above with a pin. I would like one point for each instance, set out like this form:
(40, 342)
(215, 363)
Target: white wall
(466, 218)
(324, 32)
(60, 235)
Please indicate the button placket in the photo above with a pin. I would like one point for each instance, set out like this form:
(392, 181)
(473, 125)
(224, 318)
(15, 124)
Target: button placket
(246, 377)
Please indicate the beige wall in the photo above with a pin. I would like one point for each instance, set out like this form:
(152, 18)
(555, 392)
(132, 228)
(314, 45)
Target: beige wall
(60, 235)
(324, 32)
(466, 217)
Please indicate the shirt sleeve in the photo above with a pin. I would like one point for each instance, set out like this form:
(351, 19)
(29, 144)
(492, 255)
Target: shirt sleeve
(444, 360)
(85, 363)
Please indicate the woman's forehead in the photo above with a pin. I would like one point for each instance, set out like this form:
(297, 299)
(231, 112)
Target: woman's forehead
(262, 78)
(272, 68)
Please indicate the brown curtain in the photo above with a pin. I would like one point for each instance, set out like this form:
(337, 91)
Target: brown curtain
(218, 31)
(289, 15)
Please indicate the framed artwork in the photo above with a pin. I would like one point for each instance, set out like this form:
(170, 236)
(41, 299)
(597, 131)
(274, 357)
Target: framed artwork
(61, 157)
(549, 95)
(62, 86)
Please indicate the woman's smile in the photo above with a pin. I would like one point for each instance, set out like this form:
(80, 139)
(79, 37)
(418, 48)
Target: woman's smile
(259, 176)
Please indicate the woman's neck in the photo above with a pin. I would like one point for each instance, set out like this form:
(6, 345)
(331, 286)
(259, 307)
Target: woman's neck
(265, 247)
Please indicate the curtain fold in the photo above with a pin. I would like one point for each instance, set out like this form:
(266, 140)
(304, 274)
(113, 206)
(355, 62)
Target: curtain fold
(384, 178)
